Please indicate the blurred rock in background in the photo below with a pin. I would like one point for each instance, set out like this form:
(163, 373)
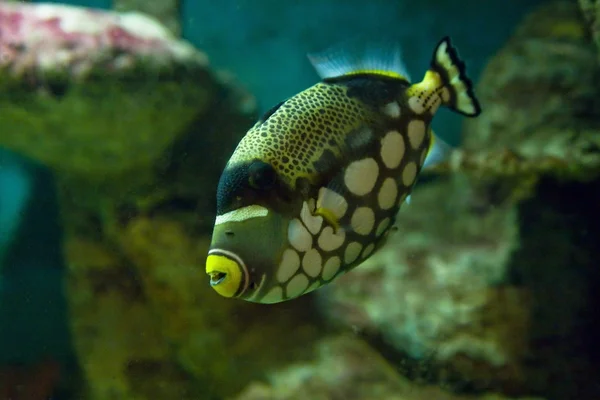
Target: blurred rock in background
(486, 286)
(490, 276)
(346, 367)
(168, 12)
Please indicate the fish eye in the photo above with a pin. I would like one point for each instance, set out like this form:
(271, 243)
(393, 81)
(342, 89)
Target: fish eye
(261, 175)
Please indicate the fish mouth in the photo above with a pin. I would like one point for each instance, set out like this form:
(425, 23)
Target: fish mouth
(245, 248)
(228, 273)
(216, 277)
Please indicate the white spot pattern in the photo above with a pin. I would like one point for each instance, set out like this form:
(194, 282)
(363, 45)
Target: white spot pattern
(352, 251)
(312, 222)
(392, 110)
(416, 133)
(290, 262)
(387, 194)
(416, 105)
(360, 176)
(329, 241)
(368, 250)
(392, 149)
(331, 267)
(312, 263)
(274, 295)
(298, 235)
(409, 174)
(296, 286)
(363, 220)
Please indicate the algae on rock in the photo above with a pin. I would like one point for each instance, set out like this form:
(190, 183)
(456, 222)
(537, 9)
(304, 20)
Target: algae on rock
(443, 270)
(99, 97)
(540, 96)
(591, 12)
(471, 285)
(345, 367)
(166, 11)
(146, 322)
(489, 277)
(138, 153)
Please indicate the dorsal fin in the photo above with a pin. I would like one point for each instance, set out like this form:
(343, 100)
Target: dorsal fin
(359, 58)
(271, 111)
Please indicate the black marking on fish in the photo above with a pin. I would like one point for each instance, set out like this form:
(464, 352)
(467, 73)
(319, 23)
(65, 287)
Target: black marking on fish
(270, 112)
(371, 89)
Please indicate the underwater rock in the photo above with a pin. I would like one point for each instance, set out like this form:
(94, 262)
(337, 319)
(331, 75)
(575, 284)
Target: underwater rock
(347, 368)
(97, 96)
(138, 153)
(489, 279)
(540, 99)
(540, 94)
(591, 12)
(146, 321)
(165, 11)
(435, 292)
(115, 332)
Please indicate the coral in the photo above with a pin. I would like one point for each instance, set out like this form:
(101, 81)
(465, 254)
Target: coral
(345, 367)
(97, 96)
(45, 38)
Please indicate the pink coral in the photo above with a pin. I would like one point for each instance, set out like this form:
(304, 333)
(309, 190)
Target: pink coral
(45, 37)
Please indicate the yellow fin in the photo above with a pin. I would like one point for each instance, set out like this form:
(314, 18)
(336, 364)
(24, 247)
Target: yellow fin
(331, 206)
(389, 74)
(330, 217)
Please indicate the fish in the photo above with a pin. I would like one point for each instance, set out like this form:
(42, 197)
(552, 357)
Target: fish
(314, 187)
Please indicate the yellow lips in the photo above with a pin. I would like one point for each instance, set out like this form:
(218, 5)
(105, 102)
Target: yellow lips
(225, 274)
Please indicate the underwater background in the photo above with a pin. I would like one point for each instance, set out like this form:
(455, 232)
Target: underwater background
(115, 127)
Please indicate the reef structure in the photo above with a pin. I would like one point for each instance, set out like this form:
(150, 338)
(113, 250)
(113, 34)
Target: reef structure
(99, 96)
(489, 278)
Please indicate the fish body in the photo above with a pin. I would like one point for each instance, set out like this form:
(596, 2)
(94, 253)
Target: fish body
(313, 188)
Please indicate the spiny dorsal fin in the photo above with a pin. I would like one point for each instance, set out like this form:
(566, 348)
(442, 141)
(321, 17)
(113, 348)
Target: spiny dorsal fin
(359, 58)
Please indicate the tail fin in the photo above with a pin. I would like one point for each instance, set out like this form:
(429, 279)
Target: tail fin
(459, 95)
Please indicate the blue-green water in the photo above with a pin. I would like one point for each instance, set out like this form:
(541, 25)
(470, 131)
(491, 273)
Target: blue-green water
(141, 321)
